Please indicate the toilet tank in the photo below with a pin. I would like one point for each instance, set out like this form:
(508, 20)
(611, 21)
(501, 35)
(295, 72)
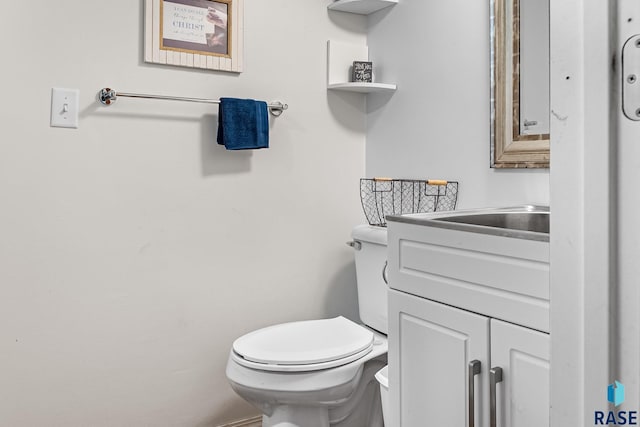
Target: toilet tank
(370, 247)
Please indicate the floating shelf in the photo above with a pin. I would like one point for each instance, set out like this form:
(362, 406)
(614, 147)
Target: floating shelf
(363, 87)
(361, 7)
(340, 57)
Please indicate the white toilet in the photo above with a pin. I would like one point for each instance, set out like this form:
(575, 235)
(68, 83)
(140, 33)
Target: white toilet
(321, 373)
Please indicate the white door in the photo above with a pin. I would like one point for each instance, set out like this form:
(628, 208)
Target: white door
(522, 394)
(431, 347)
(626, 292)
(595, 210)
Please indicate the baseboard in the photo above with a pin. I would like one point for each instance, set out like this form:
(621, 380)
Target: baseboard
(248, 422)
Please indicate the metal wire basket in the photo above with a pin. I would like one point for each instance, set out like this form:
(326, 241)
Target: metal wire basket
(385, 196)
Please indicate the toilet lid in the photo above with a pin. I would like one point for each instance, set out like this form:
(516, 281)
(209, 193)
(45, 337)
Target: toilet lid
(311, 342)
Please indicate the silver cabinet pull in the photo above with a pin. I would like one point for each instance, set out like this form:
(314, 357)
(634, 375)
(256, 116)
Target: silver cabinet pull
(495, 377)
(474, 369)
(385, 275)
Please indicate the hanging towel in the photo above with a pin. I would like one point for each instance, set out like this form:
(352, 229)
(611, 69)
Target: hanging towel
(243, 124)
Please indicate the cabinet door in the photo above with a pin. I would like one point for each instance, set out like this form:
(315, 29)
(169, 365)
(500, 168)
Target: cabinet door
(430, 348)
(522, 397)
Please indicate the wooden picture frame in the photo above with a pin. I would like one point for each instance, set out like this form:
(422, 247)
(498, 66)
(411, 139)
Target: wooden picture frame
(205, 34)
(509, 147)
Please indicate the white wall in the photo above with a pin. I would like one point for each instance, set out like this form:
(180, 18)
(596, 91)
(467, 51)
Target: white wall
(134, 249)
(436, 125)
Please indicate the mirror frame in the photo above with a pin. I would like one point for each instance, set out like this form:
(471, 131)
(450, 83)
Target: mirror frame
(509, 148)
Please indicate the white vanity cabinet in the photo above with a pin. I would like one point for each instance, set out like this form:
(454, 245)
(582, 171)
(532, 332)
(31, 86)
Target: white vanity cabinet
(523, 394)
(436, 354)
(431, 346)
(468, 323)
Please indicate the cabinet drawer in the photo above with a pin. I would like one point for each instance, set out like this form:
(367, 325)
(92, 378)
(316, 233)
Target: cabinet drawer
(502, 277)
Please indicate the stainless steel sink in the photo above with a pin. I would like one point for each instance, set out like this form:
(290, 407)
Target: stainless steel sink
(526, 221)
(523, 222)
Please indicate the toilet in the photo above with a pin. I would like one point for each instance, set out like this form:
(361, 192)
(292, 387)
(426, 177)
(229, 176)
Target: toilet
(321, 373)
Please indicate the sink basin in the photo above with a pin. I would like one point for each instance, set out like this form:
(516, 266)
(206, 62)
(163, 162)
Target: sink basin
(526, 221)
(523, 222)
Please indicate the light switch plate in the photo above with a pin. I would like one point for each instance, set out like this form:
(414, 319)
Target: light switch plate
(64, 107)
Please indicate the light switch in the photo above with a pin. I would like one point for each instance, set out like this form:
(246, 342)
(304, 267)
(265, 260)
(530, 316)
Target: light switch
(64, 107)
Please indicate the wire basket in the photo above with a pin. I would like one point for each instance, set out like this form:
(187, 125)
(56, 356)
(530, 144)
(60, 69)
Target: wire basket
(385, 196)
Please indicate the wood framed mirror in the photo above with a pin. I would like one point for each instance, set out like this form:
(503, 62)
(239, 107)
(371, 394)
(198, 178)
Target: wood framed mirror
(520, 84)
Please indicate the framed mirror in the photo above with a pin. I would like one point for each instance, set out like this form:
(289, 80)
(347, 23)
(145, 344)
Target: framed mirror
(520, 83)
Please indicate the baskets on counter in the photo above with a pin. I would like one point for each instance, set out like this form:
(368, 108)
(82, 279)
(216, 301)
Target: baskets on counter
(385, 196)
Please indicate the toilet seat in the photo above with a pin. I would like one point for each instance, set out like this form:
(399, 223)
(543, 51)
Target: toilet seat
(303, 346)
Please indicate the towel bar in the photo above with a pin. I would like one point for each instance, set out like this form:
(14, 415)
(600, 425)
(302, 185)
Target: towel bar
(108, 96)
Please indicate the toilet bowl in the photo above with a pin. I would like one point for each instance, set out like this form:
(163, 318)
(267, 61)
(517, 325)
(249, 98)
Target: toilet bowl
(321, 373)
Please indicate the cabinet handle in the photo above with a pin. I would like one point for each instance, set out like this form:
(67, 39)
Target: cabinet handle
(474, 369)
(495, 377)
(385, 270)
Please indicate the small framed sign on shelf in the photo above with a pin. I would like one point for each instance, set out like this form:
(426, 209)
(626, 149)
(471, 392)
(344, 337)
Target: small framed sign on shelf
(195, 33)
(362, 72)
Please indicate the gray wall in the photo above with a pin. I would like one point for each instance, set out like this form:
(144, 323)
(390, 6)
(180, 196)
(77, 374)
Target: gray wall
(436, 125)
(134, 250)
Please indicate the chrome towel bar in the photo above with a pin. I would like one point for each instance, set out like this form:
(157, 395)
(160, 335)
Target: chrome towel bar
(108, 96)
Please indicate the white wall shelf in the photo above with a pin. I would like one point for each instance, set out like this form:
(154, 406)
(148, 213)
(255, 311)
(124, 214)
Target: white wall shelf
(340, 57)
(363, 87)
(361, 7)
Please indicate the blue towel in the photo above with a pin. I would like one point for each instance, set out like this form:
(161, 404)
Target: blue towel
(243, 124)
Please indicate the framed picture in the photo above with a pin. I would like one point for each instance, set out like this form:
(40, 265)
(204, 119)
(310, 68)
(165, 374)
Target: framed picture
(362, 72)
(195, 33)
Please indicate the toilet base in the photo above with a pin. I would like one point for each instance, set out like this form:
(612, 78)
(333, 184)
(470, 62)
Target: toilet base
(297, 416)
(362, 408)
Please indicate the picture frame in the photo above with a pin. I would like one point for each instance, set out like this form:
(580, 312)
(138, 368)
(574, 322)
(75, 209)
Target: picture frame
(362, 72)
(206, 34)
